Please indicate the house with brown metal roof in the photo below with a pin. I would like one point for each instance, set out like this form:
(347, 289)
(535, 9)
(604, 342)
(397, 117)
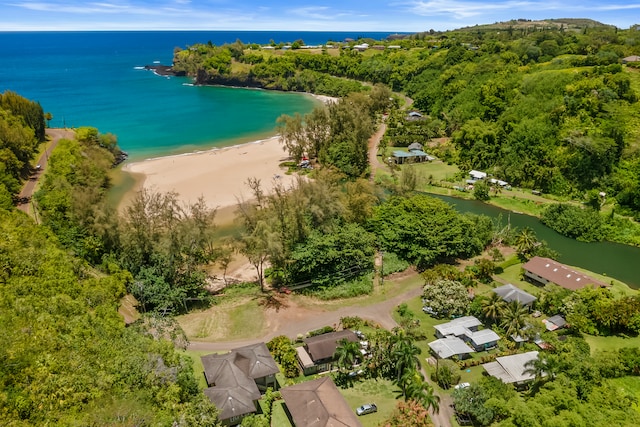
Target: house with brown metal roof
(317, 355)
(541, 271)
(318, 403)
(236, 379)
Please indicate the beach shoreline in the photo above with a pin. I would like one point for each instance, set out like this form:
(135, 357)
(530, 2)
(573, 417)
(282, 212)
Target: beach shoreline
(219, 175)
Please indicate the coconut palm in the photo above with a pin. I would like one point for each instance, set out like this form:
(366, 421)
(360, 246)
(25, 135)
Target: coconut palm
(347, 354)
(514, 318)
(492, 307)
(526, 242)
(405, 354)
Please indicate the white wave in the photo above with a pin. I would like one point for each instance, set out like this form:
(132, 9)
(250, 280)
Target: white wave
(138, 68)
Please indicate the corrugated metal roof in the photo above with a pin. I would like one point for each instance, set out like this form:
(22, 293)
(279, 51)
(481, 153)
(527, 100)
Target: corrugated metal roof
(450, 346)
(560, 274)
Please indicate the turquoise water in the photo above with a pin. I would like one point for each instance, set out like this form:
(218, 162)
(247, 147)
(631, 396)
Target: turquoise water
(94, 79)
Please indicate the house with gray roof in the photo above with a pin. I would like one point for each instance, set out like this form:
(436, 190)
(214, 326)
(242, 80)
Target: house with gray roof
(510, 293)
(467, 329)
(512, 369)
(318, 403)
(482, 339)
(445, 348)
(457, 327)
(235, 380)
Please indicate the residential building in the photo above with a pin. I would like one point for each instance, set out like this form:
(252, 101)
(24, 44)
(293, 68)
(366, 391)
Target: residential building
(317, 355)
(236, 379)
(458, 327)
(467, 329)
(445, 348)
(511, 293)
(318, 403)
(541, 271)
(514, 369)
(554, 323)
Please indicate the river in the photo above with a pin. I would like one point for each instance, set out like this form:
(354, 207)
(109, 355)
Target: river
(615, 260)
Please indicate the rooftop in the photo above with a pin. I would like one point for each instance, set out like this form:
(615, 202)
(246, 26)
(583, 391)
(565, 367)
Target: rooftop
(560, 274)
(458, 327)
(512, 369)
(450, 346)
(483, 336)
(510, 293)
(324, 346)
(318, 403)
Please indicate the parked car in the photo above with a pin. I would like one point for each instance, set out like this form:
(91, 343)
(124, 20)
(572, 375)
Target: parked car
(361, 336)
(368, 408)
(462, 385)
(429, 310)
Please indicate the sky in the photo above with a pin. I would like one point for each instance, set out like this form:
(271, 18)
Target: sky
(295, 15)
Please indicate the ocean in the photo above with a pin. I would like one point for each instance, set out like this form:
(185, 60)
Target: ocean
(96, 79)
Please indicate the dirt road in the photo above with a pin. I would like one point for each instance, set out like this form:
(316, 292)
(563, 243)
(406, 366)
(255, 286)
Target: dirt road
(30, 186)
(291, 321)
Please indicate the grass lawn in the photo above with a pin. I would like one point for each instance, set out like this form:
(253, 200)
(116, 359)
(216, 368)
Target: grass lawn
(279, 416)
(628, 385)
(235, 320)
(611, 342)
(378, 391)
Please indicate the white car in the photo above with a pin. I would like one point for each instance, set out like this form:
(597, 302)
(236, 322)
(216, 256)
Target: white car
(368, 408)
(462, 385)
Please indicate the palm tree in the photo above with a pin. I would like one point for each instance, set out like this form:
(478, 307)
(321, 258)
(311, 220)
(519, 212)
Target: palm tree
(526, 241)
(405, 354)
(419, 390)
(514, 318)
(347, 353)
(492, 307)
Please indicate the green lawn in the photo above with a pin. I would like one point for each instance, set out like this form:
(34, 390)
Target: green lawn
(611, 342)
(378, 391)
(279, 416)
(629, 385)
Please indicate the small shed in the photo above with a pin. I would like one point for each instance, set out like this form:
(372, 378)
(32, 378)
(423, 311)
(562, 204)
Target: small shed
(632, 58)
(554, 323)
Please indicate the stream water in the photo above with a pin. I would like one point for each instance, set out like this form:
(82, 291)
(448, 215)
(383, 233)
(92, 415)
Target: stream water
(615, 260)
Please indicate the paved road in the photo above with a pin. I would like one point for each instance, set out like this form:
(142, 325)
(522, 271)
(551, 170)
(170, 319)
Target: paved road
(30, 186)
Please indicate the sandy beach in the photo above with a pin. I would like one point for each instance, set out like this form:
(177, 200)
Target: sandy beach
(219, 175)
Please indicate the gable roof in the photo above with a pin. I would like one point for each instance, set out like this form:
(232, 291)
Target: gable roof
(414, 146)
(554, 322)
(560, 274)
(318, 403)
(483, 336)
(510, 293)
(458, 326)
(450, 346)
(511, 369)
(324, 346)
